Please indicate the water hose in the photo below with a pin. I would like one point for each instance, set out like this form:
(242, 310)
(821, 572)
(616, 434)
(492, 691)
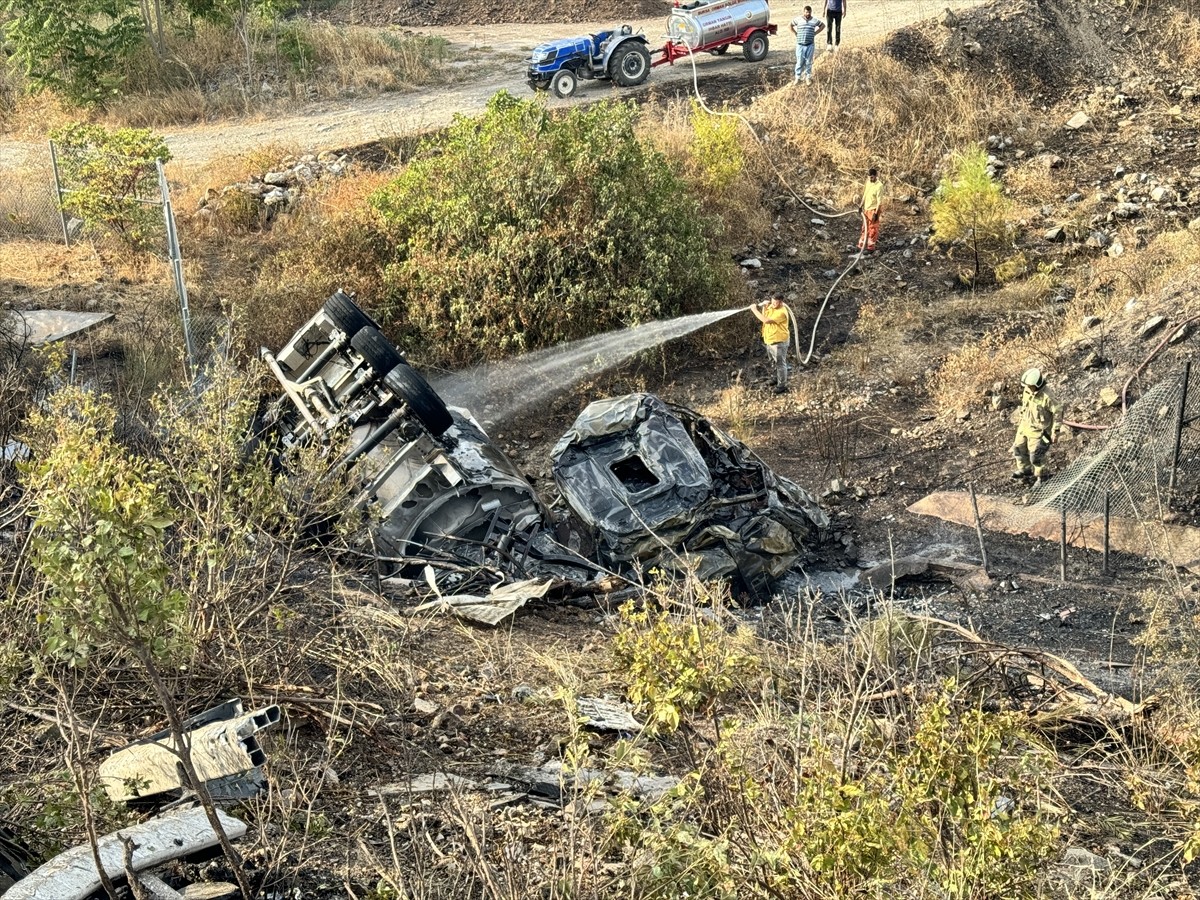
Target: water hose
(762, 146)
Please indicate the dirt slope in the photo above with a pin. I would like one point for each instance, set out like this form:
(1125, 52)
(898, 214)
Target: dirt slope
(482, 12)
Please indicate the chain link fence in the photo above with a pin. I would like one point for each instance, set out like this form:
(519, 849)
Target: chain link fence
(29, 196)
(71, 191)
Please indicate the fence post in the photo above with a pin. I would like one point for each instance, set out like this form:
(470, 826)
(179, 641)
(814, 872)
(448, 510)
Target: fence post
(1180, 422)
(176, 259)
(58, 192)
(1104, 570)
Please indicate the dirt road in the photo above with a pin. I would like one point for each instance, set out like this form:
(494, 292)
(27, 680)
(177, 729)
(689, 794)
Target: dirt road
(348, 123)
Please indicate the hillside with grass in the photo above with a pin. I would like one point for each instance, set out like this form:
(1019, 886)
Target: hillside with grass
(900, 718)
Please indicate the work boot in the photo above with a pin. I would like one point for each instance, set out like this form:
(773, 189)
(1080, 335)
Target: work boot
(1021, 476)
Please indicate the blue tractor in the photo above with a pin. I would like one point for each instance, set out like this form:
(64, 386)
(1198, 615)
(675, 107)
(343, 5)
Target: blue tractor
(618, 54)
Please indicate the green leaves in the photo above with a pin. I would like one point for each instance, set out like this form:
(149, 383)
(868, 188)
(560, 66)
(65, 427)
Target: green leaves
(109, 174)
(970, 207)
(516, 230)
(75, 47)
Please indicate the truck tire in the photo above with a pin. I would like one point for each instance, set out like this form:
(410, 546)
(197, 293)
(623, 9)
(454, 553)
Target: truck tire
(756, 46)
(563, 83)
(376, 350)
(629, 65)
(423, 402)
(346, 315)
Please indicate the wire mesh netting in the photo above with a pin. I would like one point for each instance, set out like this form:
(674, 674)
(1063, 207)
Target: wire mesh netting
(1133, 464)
(28, 199)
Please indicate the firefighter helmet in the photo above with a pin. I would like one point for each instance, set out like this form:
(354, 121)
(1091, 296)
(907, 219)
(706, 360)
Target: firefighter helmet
(1033, 379)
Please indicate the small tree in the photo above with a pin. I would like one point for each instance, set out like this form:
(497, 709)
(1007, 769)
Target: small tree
(968, 206)
(99, 543)
(109, 174)
(75, 47)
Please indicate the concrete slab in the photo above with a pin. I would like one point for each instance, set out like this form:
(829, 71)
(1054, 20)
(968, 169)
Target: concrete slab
(1177, 544)
(45, 326)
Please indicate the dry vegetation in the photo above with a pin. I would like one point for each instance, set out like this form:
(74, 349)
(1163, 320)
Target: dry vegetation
(815, 748)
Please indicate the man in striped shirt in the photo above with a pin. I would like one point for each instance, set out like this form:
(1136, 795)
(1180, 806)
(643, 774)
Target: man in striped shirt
(806, 29)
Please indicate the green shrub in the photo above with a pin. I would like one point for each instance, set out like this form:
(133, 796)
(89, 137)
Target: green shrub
(678, 666)
(109, 175)
(716, 151)
(516, 230)
(968, 206)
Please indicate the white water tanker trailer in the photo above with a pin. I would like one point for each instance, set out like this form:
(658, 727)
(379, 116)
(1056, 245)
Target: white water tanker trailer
(624, 57)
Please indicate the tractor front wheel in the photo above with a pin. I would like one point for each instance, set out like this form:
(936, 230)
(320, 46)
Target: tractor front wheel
(630, 64)
(755, 48)
(563, 83)
(719, 51)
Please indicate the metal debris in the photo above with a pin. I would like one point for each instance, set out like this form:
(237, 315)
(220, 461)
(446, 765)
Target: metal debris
(223, 749)
(503, 601)
(607, 715)
(72, 874)
(35, 327)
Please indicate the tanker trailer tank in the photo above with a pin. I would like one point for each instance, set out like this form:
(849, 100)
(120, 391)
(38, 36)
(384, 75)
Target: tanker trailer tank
(698, 27)
(715, 27)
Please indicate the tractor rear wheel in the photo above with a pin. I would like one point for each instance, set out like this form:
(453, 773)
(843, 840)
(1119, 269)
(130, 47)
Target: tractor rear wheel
(629, 65)
(423, 402)
(756, 46)
(563, 83)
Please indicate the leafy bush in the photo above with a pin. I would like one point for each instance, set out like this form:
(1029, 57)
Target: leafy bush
(75, 47)
(109, 174)
(517, 230)
(678, 666)
(968, 206)
(716, 151)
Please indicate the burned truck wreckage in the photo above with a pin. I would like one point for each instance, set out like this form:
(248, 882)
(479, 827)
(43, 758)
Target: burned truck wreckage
(643, 483)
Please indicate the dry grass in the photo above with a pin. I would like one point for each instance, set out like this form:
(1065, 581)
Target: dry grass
(207, 73)
(870, 110)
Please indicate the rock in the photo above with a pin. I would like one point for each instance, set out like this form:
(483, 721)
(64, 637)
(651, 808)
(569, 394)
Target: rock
(1057, 233)
(1097, 240)
(424, 707)
(1119, 172)
(1126, 210)
(1074, 198)
(1109, 397)
(1161, 193)
(1090, 321)
(1078, 120)
(1182, 333)
(963, 415)
(752, 263)
(275, 197)
(1083, 864)
(948, 19)
(1194, 225)
(1092, 361)
(820, 223)
(278, 179)
(522, 693)
(1151, 325)
(1050, 160)
(1115, 249)
(972, 48)
(831, 273)
(210, 890)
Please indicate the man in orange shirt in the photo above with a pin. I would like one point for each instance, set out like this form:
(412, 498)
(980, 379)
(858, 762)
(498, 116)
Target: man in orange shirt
(871, 201)
(774, 317)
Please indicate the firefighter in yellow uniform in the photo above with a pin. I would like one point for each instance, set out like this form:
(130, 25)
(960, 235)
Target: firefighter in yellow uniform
(774, 317)
(1037, 428)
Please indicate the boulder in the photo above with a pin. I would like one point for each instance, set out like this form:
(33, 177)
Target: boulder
(1151, 326)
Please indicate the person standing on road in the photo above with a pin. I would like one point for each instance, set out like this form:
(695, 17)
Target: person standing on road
(774, 317)
(1037, 427)
(835, 10)
(869, 208)
(806, 29)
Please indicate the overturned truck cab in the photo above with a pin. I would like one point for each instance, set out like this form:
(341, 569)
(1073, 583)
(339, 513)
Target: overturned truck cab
(644, 482)
(659, 485)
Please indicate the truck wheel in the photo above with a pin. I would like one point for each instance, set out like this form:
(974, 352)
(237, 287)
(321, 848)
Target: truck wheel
(423, 402)
(376, 350)
(563, 83)
(755, 49)
(346, 315)
(630, 64)
(719, 51)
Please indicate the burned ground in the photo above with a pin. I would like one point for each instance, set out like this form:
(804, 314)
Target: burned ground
(375, 697)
